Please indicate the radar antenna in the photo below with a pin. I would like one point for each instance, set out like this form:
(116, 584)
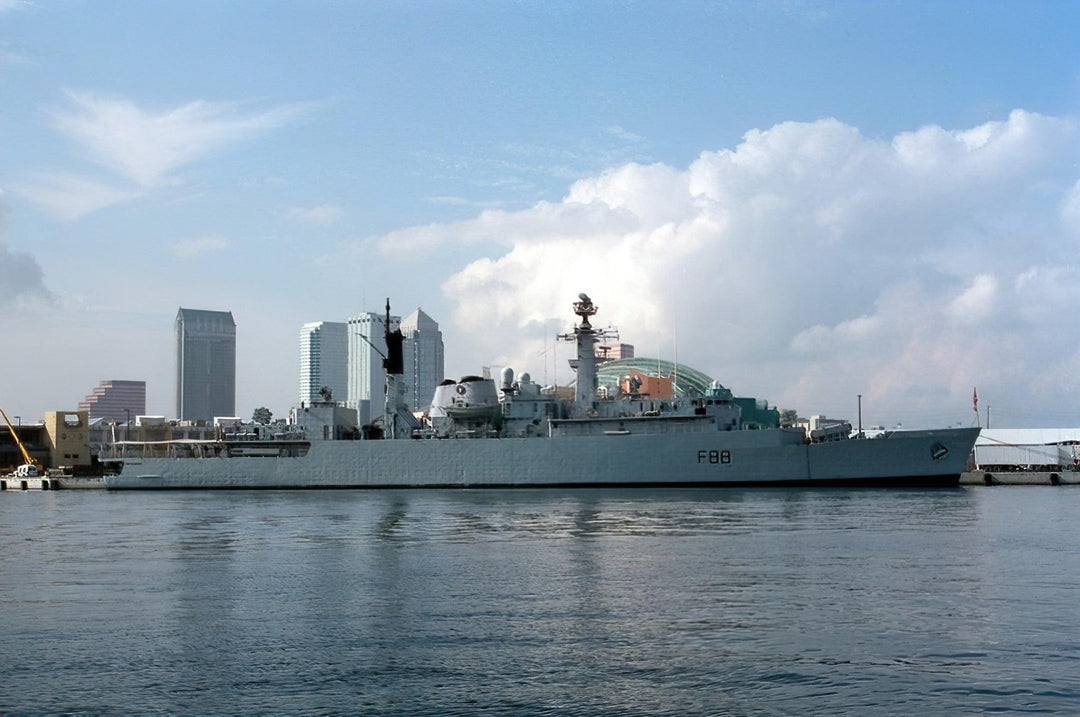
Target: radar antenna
(584, 308)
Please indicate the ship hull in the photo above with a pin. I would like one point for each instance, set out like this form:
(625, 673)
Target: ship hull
(770, 457)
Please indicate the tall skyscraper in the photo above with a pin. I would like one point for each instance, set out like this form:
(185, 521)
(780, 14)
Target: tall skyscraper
(367, 346)
(205, 364)
(324, 360)
(116, 401)
(423, 359)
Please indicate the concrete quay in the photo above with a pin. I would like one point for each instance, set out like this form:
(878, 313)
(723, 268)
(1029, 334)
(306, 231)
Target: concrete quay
(20, 483)
(15, 484)
(1020, 478)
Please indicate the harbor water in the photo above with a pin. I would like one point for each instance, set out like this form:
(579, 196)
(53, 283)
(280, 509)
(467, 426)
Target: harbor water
(579, 602)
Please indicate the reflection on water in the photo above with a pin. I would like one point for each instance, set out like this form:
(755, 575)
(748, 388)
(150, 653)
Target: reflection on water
(681, 601)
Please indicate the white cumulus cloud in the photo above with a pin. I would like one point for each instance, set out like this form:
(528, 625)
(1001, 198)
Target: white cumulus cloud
(977, 302)
(805, 265)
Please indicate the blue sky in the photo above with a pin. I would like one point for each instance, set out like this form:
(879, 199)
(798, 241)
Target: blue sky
(810, 200)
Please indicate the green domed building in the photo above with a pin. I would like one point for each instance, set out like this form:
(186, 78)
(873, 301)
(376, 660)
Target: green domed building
(688, 383)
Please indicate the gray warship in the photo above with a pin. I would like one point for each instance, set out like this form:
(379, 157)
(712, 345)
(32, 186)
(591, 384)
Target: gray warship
(516, 434)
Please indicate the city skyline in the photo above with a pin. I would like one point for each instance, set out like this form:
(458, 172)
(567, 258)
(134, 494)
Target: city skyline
(810, 202)
(324, 362)
(346, 357)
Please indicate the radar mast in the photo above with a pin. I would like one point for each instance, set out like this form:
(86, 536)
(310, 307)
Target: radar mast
(586, 337)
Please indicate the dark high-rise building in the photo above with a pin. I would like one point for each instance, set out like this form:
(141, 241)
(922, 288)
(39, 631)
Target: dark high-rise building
(205, 364)
(116, 401)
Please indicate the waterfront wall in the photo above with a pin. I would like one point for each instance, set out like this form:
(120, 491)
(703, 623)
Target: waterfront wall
(1020, 478)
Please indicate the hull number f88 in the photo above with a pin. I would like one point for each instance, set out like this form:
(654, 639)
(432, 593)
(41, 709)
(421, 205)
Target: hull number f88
(714, 456)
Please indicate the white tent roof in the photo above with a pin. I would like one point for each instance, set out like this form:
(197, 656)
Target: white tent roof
(1027, 436)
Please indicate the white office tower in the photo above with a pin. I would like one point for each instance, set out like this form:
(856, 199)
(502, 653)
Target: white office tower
(423, 351)
(366, 383)
(324, 361)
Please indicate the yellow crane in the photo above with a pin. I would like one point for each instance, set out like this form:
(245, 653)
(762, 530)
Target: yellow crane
(29, 469)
